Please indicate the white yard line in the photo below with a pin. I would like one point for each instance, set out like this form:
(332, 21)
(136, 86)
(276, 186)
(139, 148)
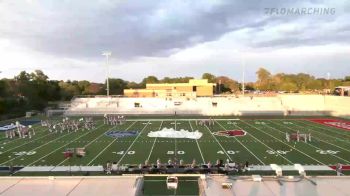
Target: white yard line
(181, 119)
(31, 140)
(12, 140)
(292, 146)
(133, 143)
(189, 122)
(311, 144)
(332, 129)
(41, 130)
(262, 162)
(90, 141)
(155, 139)
(26, 143)
(265, 145)
(347, 141)
(39, 147)
(323, 140)
(109, 145)
(87, 132)
(223, 149)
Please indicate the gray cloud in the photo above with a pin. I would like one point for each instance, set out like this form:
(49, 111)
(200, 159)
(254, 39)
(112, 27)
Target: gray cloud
(57, 36)
(82, 29)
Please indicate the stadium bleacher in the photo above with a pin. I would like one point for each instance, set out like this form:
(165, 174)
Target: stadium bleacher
(314, 105)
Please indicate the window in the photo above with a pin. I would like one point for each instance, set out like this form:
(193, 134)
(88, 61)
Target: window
(194, 88)
(137, 105)
(177, 103)
(214, 104)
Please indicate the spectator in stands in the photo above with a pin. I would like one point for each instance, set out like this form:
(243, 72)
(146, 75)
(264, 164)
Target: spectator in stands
(108, 167)
(175, 161)
(219, 163)
(339, 169)
(146, 163)
(226, 166)
(115, 166)
(158, 163)
(181, 162)
(238, 167)
(193, 165)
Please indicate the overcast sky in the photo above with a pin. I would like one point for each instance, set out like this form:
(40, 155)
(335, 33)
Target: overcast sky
(65, 38)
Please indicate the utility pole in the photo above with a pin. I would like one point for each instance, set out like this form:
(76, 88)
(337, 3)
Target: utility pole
(329, 82)
(107, 54)
(243, 75)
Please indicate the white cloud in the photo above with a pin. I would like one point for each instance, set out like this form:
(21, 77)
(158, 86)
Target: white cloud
(170, 38)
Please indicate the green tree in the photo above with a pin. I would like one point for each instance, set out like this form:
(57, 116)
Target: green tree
(68, 90)
(347, 78)
(116, 86)
(3, 88)
(264, 79)
(94, 89)
(225, 84)
(150, 80)
(209, 77)
(133, 85)
(288, 86)
(175, 80)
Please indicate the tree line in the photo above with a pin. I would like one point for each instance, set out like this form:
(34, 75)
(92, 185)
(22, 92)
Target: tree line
(295, 82)
(35, 91)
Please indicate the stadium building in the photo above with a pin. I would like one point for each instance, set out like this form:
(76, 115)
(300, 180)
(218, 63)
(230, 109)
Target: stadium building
(343, 90)
(278, 105)
(194, 88)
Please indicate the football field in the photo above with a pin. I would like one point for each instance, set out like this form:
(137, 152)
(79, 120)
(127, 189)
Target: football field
(263, 142)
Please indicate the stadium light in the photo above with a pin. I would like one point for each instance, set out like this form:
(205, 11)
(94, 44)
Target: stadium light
(107, 54)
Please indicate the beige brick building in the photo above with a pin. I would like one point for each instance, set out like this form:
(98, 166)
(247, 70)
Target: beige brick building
(194, 88)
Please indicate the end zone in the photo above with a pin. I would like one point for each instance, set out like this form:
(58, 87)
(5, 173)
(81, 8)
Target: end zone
(341, 124)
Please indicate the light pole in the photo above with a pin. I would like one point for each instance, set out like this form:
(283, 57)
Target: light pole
(243, 75)
(107, 54)
(328, 81)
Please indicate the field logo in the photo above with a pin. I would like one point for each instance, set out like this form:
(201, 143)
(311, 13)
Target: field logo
(333, 123)
(121, 134)
(231, 133)
(22, 153)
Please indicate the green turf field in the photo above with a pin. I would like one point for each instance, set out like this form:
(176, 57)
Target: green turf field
(263, 144)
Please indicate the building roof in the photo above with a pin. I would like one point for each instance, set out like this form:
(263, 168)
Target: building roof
(192, 82)
(105, 185)
(345, 87)
(129, 185)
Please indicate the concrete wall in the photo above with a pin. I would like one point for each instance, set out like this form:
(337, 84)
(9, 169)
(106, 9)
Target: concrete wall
(216, 106)
(339, 106)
